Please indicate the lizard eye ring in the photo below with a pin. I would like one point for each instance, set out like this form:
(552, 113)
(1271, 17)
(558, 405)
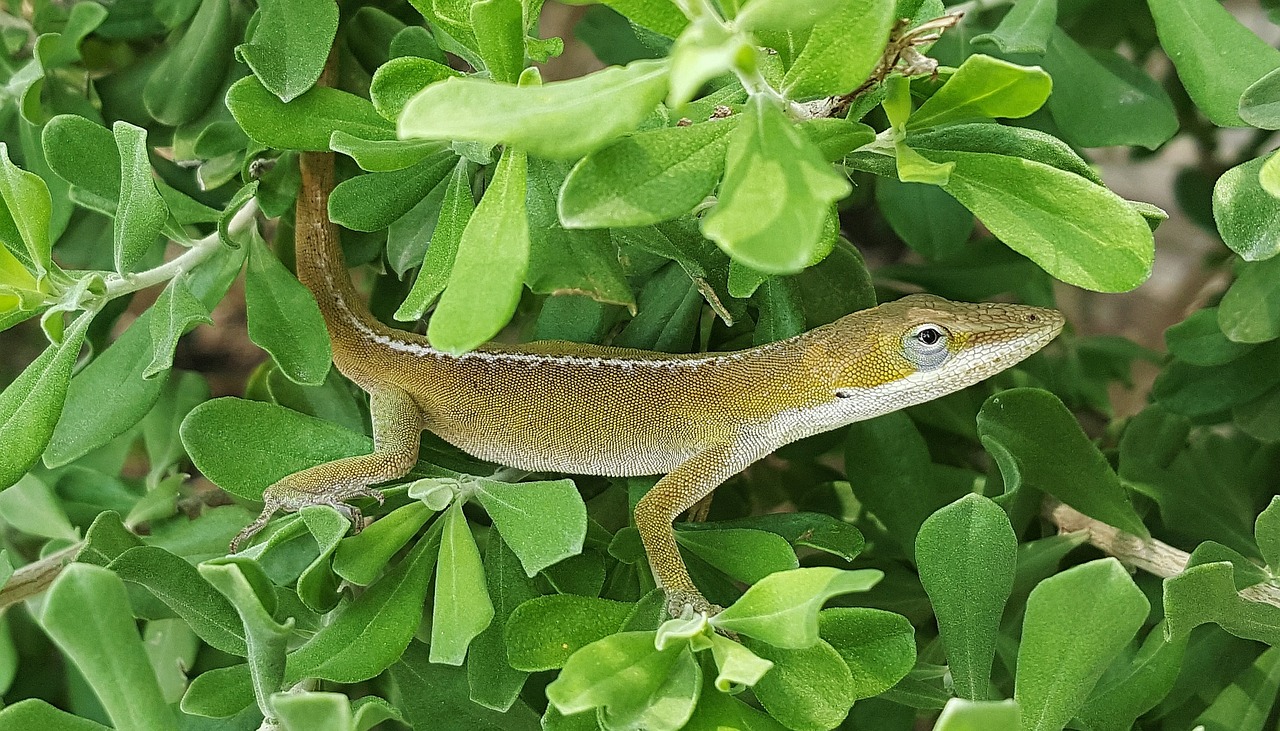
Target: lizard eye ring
(925, 345)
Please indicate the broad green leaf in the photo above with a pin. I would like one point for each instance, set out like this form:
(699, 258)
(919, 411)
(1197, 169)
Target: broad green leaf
(916, 168)
(317, 585)
(430, 693)
(542, 522)
(1100, 98)
(372, 632)
(307, 122)
(1260, 418)
(313, 711)
(1026, 28)
(546, 631)
(284, 319)
(1217, 58)
(661, 16)
(809, 689)
(969, 715)
(1037, 442)
(811, 530)
(437, 265)
(398, 80)
(374, 201)
(1260, 103)
(492, 679)
(462, 607)
(31, 405)
(31, 507)
(175, 312)
(1197, 390)
(1248, 217)
(84, 154)
(940, 234)
(1079, 232)
(187, 79)
(180, 586)
(564, 119)
(743, 554)
(104, 645)
(966, 554)
(141, 211)
(736, 664)
(1130, 688)
(381, 156)
(782, 609)
(370, 710)
(1076, 623)
(1250, 310)
(784, 14)
(841, 50)
(1267, 533)
(878, 646)
(489, 269)
(1003, 139)
(776, 195)
(1207, 594)
(634, 685)
(646, 178)
(35, 713)
(249, 591)
(984, 88)
(1246, 704)
(499, 26)
(290, 43)
(361, 558)
(1199, 339)
(26, 196)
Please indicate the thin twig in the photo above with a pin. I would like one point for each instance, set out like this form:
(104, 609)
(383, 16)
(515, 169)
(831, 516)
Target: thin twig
(1155, 557)
(34, 578)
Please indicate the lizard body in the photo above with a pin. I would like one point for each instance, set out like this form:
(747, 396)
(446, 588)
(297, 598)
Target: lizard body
(589, 409)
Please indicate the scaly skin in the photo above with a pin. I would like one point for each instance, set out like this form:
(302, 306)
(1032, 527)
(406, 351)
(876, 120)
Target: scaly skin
(589, 409)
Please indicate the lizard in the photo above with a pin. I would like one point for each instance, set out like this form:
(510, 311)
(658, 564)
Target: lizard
(575, 408)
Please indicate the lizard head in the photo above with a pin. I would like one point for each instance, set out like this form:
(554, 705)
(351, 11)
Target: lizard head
(921, 347)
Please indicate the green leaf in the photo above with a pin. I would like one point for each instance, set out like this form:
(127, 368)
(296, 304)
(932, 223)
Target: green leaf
(433, 276)
(916, 168)
(1246, 704)
(489, 270)
(313, 711)
(1076, 623)
(811, 530)
(430, 693)
(784, 14)
(84, 154)
(1260, 103)
(35, 713)
(189, 76)
(1207, 594)
(381, 156)
(26, 196)
(462, 606)
(247, 588)
(1250, 310)
(737, 665)
(1130, 689)
(841, 50)
(307, 122)
(317, 585)
(776, 195)
(1197, 391)
(743, 554)
(1267, 533)
(180, 586)
(284, 319)
(1199, 339)
(499, 26)
(544, 632)
(1100, 98)
(104, 645)
(374, 201)
(396, 81)
(968, 715)
(1003, 139)
(564, 119)
(361, 558)
(1026, 28)
(31, 405)
(491, 677)
(878, 646)
(782, 609)
(1079, 232)
(966, 553)
(1248, 217)
(646, 178)
(984, 88)
(290, 43)
(175, 312)
(809, 689)
(31, 507)
(634, 685)
(141, 211)
(1217, 58)
(1037, 442)
(940, 234)
(542, 522)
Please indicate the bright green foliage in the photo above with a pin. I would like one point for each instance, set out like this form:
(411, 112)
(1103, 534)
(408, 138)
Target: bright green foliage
(713, 188)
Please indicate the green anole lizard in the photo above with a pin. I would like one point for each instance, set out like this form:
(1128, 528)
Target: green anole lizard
(590, 409)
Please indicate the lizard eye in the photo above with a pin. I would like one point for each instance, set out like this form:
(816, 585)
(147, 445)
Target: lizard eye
(926, 346)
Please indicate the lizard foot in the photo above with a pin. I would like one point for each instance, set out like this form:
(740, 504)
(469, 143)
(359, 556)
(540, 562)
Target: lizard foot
(678, 600)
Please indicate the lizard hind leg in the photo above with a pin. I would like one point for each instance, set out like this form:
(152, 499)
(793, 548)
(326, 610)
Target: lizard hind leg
(397, 425)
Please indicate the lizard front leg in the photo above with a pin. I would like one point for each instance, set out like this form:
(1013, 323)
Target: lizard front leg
(397, 427)
(677, 492)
